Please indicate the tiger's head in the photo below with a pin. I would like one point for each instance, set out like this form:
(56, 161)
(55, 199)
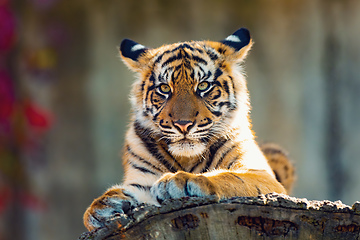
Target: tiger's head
(191, 94)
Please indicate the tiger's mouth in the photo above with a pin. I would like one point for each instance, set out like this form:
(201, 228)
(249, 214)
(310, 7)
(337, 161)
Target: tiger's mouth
(184, 139)
(188, 141)
(186, 147)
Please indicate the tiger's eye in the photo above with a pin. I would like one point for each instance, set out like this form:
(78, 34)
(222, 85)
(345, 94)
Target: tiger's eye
(203, 86)
(164, 88)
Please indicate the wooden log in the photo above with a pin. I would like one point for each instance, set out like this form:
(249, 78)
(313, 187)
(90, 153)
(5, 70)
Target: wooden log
(271, 216)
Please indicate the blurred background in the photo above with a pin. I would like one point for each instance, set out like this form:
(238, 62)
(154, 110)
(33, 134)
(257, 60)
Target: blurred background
(64, 95)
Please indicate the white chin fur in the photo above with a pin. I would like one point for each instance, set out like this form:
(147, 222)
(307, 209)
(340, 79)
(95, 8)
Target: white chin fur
(186, 149)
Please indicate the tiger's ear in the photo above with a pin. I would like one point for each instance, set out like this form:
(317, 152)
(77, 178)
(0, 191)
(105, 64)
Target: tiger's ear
(240, 41)
(132, 53)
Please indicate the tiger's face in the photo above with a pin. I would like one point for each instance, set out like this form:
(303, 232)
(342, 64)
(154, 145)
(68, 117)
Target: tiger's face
(189, 94)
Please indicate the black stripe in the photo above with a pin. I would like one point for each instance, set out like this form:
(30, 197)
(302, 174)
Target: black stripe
(212, 55)
(128, 195)
(208, 74)
(177, 68)
(142, 159)
(237, 177)
(151, 145)
(152, 78)
(152, 87)
(209, 106)
(186, 63)
(159, 95)
(186, 75)
(203, 125)
(224, 103)
(232, 85)
(140, 187)
(221, 159)
(142, 86)
(226, 87)
(172, 59)
(172, 157)
(168, 132)
(212, 152)
(218, 95)
(199, 50)
(177, 72)
(217, 83)
(102, 202)
(233, 161)
(277, 177)
(159, 58)
(216, 113)
(187, 193)
(195, 166)
(185, 45)
(148, 92)
(218, 73)
(185, 54)
(258, 190)
(221, 50)
(151, 98)
(201, 131)
(192, 74)
(158, 112)
(199, 59)
(199, 74)
(205, 139)
(141, 169)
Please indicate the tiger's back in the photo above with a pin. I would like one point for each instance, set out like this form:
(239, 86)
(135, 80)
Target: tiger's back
(190, 133)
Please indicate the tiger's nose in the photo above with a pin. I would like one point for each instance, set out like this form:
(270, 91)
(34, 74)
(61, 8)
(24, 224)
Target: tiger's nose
(183, 125)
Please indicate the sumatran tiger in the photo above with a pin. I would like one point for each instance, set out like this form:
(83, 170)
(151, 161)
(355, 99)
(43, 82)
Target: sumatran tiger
(190, 133)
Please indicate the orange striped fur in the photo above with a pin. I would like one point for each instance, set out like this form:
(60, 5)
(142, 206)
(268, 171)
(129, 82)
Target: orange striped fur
(190, 133)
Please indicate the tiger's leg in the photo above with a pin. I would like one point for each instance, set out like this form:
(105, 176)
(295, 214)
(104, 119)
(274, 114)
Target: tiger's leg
(281, 165)
(219, 183)
(115, 201)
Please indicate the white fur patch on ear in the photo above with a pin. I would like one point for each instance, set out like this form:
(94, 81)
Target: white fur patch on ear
(233, 38)
(137, 47)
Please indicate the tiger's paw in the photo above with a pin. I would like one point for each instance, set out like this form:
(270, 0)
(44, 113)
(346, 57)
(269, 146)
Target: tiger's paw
(182, 184)
(114, 202)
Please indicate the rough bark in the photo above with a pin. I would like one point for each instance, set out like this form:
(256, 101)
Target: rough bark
(271, 216)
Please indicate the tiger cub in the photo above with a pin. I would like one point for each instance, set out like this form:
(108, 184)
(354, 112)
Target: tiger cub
(190, 133)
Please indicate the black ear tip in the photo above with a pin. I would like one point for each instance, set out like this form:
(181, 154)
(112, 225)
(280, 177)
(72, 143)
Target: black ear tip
(123, 43)
(131, 49)
(126, 44)
(244, 33)
(239, 39)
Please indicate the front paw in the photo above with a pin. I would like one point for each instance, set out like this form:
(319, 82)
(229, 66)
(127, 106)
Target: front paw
(113, 203)
(182, 184)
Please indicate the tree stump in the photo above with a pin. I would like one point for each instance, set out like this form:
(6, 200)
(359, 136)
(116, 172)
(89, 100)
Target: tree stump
(271, 216)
